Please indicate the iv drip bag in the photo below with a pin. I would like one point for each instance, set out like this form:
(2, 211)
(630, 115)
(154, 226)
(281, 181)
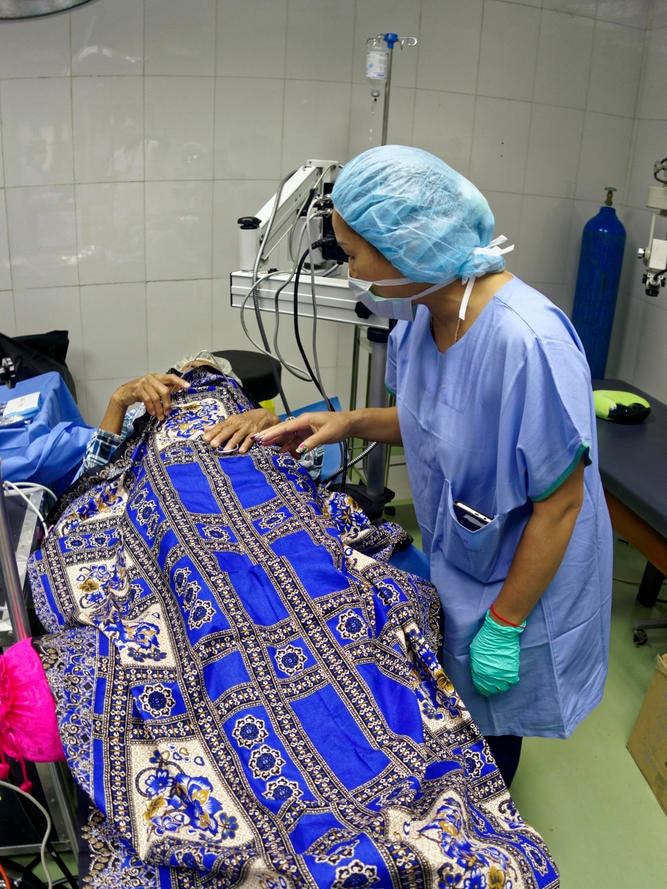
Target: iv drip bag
(377, 62)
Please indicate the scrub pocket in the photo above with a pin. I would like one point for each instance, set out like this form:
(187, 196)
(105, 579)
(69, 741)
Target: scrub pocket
(474, 552)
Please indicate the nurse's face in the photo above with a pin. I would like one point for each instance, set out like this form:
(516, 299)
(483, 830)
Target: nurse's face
(367, 263)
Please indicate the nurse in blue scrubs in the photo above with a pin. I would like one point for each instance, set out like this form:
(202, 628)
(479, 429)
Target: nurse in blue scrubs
(495, 413)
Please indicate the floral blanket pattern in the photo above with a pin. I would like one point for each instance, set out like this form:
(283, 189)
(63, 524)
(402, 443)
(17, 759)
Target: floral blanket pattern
(248, 700)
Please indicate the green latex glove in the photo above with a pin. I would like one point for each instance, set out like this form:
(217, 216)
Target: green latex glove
(494, 657)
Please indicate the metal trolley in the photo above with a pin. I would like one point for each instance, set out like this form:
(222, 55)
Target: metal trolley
(28, 857)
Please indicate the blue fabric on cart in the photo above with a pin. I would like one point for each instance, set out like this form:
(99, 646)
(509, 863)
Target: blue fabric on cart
(413, 560)
(248, 699)
(47, 448)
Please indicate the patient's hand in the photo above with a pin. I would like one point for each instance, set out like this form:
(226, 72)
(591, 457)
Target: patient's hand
(238, 429)
(153, 390)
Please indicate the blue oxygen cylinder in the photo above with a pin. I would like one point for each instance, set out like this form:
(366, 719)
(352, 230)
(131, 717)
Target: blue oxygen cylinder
(602, 244)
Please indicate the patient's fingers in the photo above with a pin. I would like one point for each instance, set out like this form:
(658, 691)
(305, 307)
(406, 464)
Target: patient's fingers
(238, 430)
(154, 390)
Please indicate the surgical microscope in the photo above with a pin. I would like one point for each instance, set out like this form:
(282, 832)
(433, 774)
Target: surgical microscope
(298, 216)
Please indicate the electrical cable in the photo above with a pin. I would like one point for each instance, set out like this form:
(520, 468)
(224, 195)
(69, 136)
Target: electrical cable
(45, 839)
(313, 296)
(19, 488)
(251, 295)
(297, 372)
(348, 464)
(261, 349)
(314, 245)
(255, 281)
(264, 240)
(255, 273)
(293, 370)
(315, 377)
(269, 226)
(36, 485)
(297, 332)
(310, 373)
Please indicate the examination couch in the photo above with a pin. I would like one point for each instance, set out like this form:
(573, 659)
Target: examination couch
(633, 469)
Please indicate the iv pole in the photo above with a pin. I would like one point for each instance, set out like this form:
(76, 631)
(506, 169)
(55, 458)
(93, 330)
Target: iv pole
(379, 59)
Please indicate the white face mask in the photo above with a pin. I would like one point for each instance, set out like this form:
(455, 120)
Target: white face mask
(386, 307)
(404, 309)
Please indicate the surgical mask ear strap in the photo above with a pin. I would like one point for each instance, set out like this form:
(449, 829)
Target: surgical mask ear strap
(463, 306)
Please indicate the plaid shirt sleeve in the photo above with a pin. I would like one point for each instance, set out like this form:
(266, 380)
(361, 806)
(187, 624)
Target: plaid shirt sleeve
(103, 443)
(99, 449)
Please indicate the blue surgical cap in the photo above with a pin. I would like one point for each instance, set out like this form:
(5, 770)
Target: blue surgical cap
(422, 215)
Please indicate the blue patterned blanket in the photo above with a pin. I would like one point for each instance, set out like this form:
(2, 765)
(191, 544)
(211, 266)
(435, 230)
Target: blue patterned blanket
(248, 698)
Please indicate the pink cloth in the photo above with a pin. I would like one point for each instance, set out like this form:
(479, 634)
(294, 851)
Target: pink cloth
(28, 724)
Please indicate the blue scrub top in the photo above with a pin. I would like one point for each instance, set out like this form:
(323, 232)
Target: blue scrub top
(498, 421)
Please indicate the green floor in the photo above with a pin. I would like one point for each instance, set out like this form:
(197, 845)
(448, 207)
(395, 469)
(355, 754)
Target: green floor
(586, 795)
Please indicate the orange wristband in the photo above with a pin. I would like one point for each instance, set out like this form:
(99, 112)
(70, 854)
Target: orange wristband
(504, 619)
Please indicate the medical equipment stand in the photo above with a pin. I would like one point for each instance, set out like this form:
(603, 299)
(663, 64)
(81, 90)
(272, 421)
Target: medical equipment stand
(379, 60)
(51, 775)
(333, 299)
(374, 493)
(335, 302)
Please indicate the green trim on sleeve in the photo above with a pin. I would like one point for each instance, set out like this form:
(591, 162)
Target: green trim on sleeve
(583, 453)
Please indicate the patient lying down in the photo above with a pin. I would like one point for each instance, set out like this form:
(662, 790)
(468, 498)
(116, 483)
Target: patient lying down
(245, 688)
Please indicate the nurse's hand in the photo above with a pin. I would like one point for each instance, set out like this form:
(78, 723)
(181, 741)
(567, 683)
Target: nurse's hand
(300, 434)
(494, 657)
(238, 430)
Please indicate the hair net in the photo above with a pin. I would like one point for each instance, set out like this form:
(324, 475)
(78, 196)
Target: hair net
(422, 215)
(217, 361)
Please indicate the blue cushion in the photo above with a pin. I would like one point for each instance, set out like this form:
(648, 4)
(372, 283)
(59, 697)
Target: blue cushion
(413, 560)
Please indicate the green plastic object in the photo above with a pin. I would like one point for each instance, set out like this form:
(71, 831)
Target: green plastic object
(620, 407)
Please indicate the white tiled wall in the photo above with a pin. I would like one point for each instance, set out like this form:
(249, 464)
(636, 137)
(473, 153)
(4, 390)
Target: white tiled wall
(133, 134)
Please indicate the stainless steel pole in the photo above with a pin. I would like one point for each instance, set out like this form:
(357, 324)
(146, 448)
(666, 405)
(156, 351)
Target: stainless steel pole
(18, 613)
(387, 90)
(377, 397)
